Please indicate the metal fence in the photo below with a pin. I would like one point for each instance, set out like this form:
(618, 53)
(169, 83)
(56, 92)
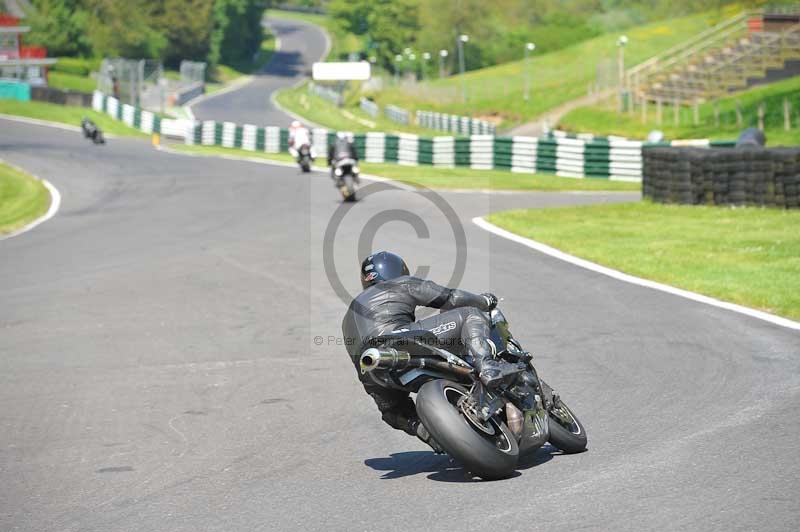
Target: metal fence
(192, 72)
(134, 81)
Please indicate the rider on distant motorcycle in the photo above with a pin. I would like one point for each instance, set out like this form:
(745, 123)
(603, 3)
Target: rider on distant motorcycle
(388, 304)
(299, 136)
(342, 148)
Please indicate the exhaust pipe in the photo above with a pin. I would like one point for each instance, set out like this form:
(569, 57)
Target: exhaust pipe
(374, 358)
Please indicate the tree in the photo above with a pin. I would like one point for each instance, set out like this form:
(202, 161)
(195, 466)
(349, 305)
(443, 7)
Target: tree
(124, 28)
(61, 26)
(236, 33)
(186, 24)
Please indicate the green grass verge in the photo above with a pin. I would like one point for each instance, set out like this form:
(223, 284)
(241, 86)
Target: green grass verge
(446, 178)
(66, 114)
(72, 82)
(603, 119)
(556, 77)
(23, 198)
(749, 256)
(310, 106)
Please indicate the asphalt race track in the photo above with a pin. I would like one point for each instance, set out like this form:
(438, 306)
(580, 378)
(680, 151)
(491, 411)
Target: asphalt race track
(169, 362)
(300, 45)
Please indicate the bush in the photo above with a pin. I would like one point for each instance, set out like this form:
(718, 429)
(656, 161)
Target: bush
(76, 66)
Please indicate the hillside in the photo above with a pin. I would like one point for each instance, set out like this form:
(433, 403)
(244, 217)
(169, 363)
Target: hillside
(496, 93)
(556, 77)
(604, 120)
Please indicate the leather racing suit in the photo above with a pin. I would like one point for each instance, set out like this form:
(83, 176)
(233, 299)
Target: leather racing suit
(462, 328)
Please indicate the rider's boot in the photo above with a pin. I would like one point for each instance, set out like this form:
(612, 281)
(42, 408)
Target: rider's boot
(489, 369)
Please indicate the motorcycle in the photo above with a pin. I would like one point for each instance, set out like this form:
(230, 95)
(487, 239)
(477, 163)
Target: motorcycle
(304, 158)
(91, 131)
(487, 430)
(346, 171)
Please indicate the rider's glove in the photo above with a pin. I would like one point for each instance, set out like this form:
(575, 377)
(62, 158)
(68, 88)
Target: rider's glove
(491, 301)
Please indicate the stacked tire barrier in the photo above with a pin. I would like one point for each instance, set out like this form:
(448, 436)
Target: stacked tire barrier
(461, 125)
(715, 176)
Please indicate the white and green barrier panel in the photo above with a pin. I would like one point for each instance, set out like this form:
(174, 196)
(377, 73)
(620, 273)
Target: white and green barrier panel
(559, 153)
(140, 119)
(461, 125)
(568, 157)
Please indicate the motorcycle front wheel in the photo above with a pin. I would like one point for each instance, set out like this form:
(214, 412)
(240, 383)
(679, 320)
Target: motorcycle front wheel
(488, 450)
(566, 431)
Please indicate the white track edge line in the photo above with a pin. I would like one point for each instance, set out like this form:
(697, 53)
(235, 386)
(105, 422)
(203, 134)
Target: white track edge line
(55, 125)
(616, 274)
(39, 122)
(55, 204)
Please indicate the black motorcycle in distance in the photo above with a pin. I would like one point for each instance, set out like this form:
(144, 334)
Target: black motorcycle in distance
(304, 158)
(91, 131)
(486, 430)
(345, 171)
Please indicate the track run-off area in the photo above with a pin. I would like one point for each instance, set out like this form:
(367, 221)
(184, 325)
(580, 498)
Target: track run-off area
(170, 360)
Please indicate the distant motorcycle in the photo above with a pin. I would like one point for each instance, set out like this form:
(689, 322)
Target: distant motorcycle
(484, 429)
(304, 158)
(91, 131)
(345, 170)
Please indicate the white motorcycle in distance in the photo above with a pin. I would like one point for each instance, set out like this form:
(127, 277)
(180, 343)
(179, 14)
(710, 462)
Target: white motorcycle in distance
(346, 170)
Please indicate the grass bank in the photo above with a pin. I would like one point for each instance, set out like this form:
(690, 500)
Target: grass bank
(23, 198)
(556, 77)
(319, 111)
(446, 178)
(749, 256)
(66, 114)
(603, 119)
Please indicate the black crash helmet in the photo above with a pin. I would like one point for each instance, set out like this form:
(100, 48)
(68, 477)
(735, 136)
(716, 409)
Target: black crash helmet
(381, 266)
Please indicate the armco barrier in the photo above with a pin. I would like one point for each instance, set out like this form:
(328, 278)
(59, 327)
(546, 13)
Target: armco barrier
(739, 176)
(61, 97)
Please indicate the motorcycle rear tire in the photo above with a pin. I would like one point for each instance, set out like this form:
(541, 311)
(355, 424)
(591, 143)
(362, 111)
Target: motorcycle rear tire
(479, 453)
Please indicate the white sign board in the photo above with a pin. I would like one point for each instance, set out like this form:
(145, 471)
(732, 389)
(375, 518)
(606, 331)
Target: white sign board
(354, 71)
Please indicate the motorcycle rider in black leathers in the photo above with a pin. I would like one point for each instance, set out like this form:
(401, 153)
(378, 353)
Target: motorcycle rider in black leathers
(342, 148)
(388, 304)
